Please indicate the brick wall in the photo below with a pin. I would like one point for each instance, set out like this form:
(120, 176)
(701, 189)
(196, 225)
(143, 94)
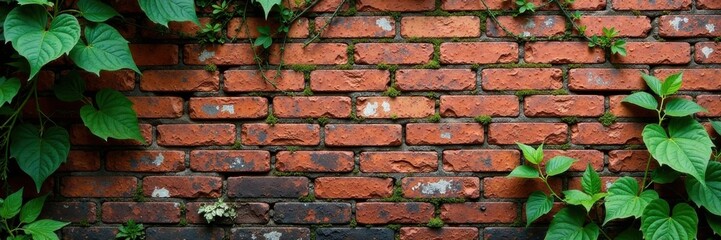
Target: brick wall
(391, 173)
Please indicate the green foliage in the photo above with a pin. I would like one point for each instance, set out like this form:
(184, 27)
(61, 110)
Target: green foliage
(271, 119)
(28, 226)
(96, 11)
(435, 223)
(392, 92)
(569, 120)
(624, 201)
(39, 151)
(608, 41)
(162, 12)
(659, 222)
(707, 195)
(483, 119)
(435, 118)
(113, 117)
(607, 119)
(217, 210)
(268, 5)
(538, 204)
(569, 223)
(8, 89)
(525, 5)
(558, 165)
(131, 231)
(105, 50)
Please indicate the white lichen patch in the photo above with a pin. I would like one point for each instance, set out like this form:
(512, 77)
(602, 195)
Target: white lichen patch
(440, 187)
(205, 55)
(706, 51)
(710, 27)
(370, 109)
(160, 193)
(676, 22)
(446, 135)
(548, 22)
(386, 106)
(274, 235)
(228, 108)
(608, 184)
(237, 163)
(526, 34)
(384, 24)
(159, 160)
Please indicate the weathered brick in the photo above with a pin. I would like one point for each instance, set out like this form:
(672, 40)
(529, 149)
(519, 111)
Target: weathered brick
(229, 161)
(70, 211)
(180, 81)
(226, 54)
(564, 105)
(182, 186)
(471, 5)
(595, 79)
(314, 53)
(141, 212)
(176, 30)
(627, 26)
(472, 106)
(157, 107)
(398, 107)
(196, 134)
(280, 134)
(528, 133)
(521, 78)
(435, 80)
(98, 186)
(312, 213)
(707, 52)
(247, 213)
(396, 6)
(121, 80)
(145, 161)
(267, 187)
(353, 187)
(438, 27)
(606, 182)
(628, 160)
(312, 107)
(712, 103)
(655, 53)
(363, 135)
(444, 133)
(504, 187)
(358, 27)
(621, 109)
(252, 81)
(563, 52)
(393, 53)
(441, 187)
(227, 107)
(321, 5)
(527, 26)
(249, 29)
(651, 5)
(154, 233)
(584, 157)
(154, 54)
(385, 213)
(89, 233)
(505, 233)
(353, 233)
(314, 161)
(398, 162)
(708, 4)
(349, 80)
(80, 135)
(285, 232)
(616, 134)
(694, 79)
(482, 160)
(479, 52)
(479, 212)
(81, 161)
(424, 233)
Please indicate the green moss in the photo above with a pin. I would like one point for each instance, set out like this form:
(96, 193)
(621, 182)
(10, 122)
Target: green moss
(435, 118)
(350, 51)
(183, 222)
(483, 119)
(475, 67)
(392, 92)
(438, 13)
(84, 223)
(432, 64)
(138, 195)
(394, 227)
(432, 95)
(287, 174)
(211, 67)
(353, 223)
(307, 198)
(323, 121)
(307, 91)
(435, 223)
(569, 120)
(524, 93)
(575, 65)
(351, 11)
(302, 67)
(397, 195)
(344, 67)
(292, 149)
(520, 65)
(237, 145)
(633, 147)
(607, 119)
(271, 119)
(389, 67)
(394, 116)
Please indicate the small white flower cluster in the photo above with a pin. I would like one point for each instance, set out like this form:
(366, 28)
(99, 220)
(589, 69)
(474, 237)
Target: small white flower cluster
(219, 209)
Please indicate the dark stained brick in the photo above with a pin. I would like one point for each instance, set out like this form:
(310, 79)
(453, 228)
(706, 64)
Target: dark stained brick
(89, 233)
(260, 233)
(206, 233)
(70, 211)
(513, 233)
(262, 187)
(354, 234)
(312, 213)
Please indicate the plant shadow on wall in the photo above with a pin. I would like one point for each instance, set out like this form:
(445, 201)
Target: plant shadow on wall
(677, 142)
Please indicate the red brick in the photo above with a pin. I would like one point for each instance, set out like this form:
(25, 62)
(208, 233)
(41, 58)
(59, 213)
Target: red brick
(472, 106)
(349, 81)
(435, 80)
(655, 53)
(395, 6)
(196, 134)
(707, 52)
(267, 187)
(312, 107)
(81, 161)
(712, 103)
(694, 79)
(98, 186)
(651, 5)
(227, 107)
(620, 109)
(481, 160)
(479, 52)
(145, 161)
(393, 53)
(423, 233)
(314, 53)
(439, 27)
(616, 134)
(247, 213)
(527, 26)
(357, 27)
(237, 29)
(157, 107)
(471, 5)
(563, 105)
(444, 133)
(314, 161)
(175, 30)
(628, 160)
(398, 162)
(528, 133)
(154, 54)
(80, 135)
(563, 52)
(708, 4)
(290, 232)
(182, 186)
(385, 213)
(121, 80)
(70, 211)
(252, 81)
(522, 79)
(321, 5)
(312, 213)
(584, 157)
(353, 187)
(229, 161)
(363, 135)
(280, 134)
(505, 187)
(185, 232)
(440, 187)
(689, 26)
(142, 212)
(613, 79)
(179, 81)
(399, 107)
(89, 232)
(479, 212)
(226, 54)
(627, 26)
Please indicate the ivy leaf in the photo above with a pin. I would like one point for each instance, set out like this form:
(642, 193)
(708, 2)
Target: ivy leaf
(106, 50)
(716, 126)
(538, 204)
(32, 209)
(534, 156)
(558, 165)
(659, 222)
(687, 150)
(664, 175)
(714, 222)
(575, 197)
(653, 83)
(264, 39)
(38, 2)
(642, 99)
(11, 205)
(267, 5)
(96, 11)
(590, 181)
(161, 12)
(524, 171)
(25, 27)
(44, 229)
(679, 107)
(619, 47)
(8, 89)
(569, 224)
(114, 116)
(38, 153)
(69, 88)
(708, 195)
(672, 84)
(623, 200)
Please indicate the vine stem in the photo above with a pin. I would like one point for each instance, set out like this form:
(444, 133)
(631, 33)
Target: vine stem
(325, 26)
(497, 23)
(573, 23)
(545, 180)
(648, 162)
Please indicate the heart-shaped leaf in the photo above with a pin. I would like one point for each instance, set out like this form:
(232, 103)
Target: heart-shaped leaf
(558, 165)
(653, 83)
(714, 222)
(575, 197)
(708, 196)
(70, 87)
(686, 148)
(44, 229)
(590, 181)
(623, 200)
(679, 107)
(162, 12)
(267, 5)
(96, 11)
(38, 153)
(32, 209)
(114, 116)
(8, 89)
(11, 205)
(106, 49)
(25, 27)
(659, 222)
(524, 171)
(537, 205)
(664, 175)
(39, 2)
(569, 224)
(642, 99)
